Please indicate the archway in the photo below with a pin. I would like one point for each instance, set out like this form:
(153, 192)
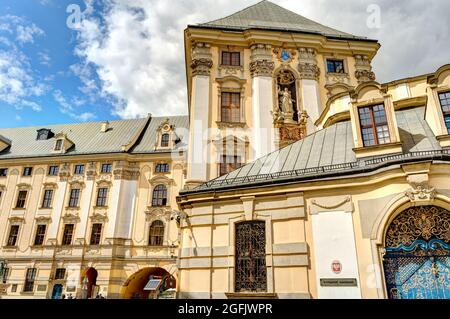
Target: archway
(416, 260)
(133, 288)
(57, 291)
(88, 283)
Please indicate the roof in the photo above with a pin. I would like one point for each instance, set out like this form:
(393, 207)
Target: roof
(88, 138)
(327, 152)
(267, 15)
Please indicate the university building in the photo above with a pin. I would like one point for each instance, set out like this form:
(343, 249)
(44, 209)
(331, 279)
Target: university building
(295, 175)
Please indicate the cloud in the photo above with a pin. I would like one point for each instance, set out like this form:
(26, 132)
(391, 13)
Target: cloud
(66, 108)
(133, 51)
(44, 58)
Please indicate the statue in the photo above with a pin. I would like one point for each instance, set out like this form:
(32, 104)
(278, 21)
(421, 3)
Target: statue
(286, 104)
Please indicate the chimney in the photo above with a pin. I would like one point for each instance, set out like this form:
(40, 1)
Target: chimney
(105, 127)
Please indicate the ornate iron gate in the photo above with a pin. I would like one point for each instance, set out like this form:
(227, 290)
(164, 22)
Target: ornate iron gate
(417, 258)
(250, 273)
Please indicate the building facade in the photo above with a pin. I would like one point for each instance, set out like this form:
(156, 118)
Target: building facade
(295, 175)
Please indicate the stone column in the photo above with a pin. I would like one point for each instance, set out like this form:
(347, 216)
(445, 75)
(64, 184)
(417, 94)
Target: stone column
(261, 68)
(198, 156)
(309, 83)
(363, 68)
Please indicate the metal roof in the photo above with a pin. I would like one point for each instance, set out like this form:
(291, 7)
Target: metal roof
(88, 138)
(328, 152)
(267, 15)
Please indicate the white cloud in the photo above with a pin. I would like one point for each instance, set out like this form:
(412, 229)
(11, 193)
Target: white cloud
(66, 108)
(26, 33)
(137, 50)
(44, 58)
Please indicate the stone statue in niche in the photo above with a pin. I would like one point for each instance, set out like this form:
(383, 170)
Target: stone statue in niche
(286, 105)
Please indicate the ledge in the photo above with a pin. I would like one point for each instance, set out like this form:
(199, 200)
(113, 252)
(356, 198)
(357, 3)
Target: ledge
(256, 295)
(230, 124)
(377, 150)
(444, 140)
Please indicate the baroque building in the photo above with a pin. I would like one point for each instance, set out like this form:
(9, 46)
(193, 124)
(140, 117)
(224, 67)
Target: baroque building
(295, 175)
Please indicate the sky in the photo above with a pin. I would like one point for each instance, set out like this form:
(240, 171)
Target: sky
(66, 61)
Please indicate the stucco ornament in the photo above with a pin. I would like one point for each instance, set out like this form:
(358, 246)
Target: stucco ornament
(421, 192)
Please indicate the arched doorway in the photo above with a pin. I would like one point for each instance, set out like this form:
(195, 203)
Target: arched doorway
(57, 291)
(134, 286)
(417, 254)
(88, 283)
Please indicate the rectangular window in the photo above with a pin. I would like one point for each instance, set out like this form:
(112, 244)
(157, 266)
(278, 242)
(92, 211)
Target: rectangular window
(231, 58)
(4, 278)
(445, 105)
(48, 197)
(60, 273)
(102, 197)
(229, 163)
(21, 199)
(58, 145)
(106, 168)
(27, 171)
(162, 168)
(165, 139)
(13, 235)
(96, 234)
(40, 235)
(74, 197)
(79, 170)
(335, 66)
(374, 126)
(68, 234)
(3, 172)
(231, 107)
(29, 281)
(53, 170)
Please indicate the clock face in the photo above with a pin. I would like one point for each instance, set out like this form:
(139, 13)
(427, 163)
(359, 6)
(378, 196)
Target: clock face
(285, 55)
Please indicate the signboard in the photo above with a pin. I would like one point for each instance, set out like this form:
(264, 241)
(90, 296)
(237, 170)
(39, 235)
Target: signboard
(344, 282)
(168, 294)
(336, 267)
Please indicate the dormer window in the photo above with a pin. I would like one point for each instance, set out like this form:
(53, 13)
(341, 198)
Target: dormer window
(62, 143)
(374, 125)
(444, 98)
(335, 66)
(165, 139)
(44, 134)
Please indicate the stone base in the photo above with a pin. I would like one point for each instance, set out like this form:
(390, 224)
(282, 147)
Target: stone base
(290, 133)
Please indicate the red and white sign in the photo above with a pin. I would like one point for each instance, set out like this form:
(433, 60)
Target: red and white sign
(336, 267)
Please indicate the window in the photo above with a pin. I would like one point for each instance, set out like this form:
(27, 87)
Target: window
(53, 170)
(60, 273)
(156, 236)
(59, 145)
(231, 58)
(165, 138)
(29, 281)
(13, 235)
(162, 168)
(159, 196)
(231, 107)
(374, 126)
(48, 197)
(74, 197)
(229, 163)
(106, 168)
(44, 134)
(96, 234)
(40, 235)
(79, 170)
(250, 259)
(102, 197)
(27, 171)
(3, 172)
(445, 104)
(4, 278)
(68, 234)
(335, 66)
(21, 199)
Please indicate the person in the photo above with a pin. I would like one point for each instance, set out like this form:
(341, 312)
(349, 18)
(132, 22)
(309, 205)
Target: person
(63, 296)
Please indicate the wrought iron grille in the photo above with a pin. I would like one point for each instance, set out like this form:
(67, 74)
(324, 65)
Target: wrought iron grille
(250, 273)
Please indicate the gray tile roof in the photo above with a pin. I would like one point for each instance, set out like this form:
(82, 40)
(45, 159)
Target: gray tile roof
(87, 137)
(327, 152)
(267, 15)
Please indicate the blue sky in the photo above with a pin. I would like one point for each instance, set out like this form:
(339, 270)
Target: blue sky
(126, 59)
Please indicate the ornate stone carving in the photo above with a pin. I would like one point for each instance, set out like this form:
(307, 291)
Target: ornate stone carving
(363, 71)
(307, 66)
(335, 78)
(261, 68)
(421, 192)
(290, 133)
(126, 171)
(64, 172)
(284, 55)
(332, 206)
(99, 216)
(91, 171)
(201, 59)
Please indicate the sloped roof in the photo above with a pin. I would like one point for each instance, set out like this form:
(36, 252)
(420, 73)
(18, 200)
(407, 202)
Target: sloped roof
(267, 15)
(87, 137)
(328, 152)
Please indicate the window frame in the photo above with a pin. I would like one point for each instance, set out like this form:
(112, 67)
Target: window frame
(30, 278)
(21, 201)
(230, 59)
(65, 235)
(108, 170)
(159, 170)
(47, 201)
(102, 201)
(446, 114)
(39, 236)
(156, 233)
(165, 142)
(230, 112)
(96, 234)
(73, 199)
(79, 169)
(59, 145)
(160, 196)
(334, 61)
(374, 125)
(27, 171)
(15, 236)
(3, 172)
(53, 170)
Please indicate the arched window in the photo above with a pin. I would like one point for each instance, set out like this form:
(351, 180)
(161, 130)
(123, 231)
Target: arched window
(159, 196)
(156, 234)
(165, 138)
